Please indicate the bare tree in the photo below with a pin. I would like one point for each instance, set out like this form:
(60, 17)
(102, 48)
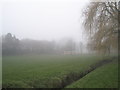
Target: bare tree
(102, 24)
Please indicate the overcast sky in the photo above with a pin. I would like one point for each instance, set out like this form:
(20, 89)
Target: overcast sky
(43, 19)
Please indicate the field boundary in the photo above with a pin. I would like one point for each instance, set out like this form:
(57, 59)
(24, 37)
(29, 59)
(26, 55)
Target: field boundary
(73, 77)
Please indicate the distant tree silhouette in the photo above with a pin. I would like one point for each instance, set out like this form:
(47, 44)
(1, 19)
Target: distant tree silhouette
(10, 44)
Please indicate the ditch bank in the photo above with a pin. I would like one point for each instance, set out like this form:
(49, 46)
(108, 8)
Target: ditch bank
(72, 77)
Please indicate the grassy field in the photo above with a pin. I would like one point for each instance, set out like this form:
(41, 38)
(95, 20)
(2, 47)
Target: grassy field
(42, 71)
(0, 71)
(104, 77)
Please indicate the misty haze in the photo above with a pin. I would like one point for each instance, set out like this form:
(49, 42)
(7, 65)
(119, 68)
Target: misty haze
(59, 44)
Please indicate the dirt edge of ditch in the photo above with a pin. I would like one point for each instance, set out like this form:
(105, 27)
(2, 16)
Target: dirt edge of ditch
(72, 77)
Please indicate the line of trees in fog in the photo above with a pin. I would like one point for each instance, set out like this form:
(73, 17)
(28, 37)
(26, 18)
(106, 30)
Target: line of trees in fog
(13, 46)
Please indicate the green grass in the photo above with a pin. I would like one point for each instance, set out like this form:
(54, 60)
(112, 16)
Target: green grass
(0, 71)
(103, 77)
(42, 71)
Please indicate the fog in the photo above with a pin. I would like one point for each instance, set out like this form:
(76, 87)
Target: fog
(44, 19)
